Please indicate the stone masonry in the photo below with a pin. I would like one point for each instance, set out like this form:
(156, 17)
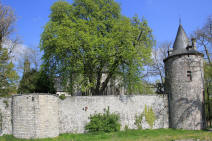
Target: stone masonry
(74, 111)
(185, 96)
(35, 116)
(184, 84)
(5, 116)
(44, 115)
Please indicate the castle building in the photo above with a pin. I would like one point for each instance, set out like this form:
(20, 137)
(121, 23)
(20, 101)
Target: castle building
(184, 83)
(45, 115)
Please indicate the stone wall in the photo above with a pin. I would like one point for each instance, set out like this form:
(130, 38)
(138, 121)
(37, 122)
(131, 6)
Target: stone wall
(74, 111)
(43, 115)
(5, 116)
(35, 116)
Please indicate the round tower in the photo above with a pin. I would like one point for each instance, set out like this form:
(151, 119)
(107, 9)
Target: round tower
(35, 116)
(184, 82)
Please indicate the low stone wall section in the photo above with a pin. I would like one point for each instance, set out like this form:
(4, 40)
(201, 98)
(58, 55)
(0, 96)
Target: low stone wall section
(35, 116)
(5, 116)
(74, 111)
(41, 116)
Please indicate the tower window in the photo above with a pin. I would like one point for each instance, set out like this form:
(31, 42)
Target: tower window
(189, 76)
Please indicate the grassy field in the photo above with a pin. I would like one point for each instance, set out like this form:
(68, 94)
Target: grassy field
(129, 135)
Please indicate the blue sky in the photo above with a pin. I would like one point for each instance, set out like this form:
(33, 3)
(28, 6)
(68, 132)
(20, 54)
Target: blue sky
(162, 16)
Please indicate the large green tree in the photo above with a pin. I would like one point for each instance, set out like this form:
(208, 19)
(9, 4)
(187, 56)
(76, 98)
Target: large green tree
(34, 81)
(8, 76)
(88, 43)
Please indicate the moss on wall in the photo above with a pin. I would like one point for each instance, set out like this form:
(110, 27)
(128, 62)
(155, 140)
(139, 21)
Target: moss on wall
(149, 117)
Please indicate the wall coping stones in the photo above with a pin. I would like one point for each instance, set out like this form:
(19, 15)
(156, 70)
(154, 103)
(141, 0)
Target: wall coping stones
(35, 94)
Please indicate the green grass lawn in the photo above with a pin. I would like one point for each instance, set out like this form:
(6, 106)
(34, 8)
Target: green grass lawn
(129, 135)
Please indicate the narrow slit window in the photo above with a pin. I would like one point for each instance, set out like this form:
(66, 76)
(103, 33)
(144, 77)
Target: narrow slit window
(189, 76)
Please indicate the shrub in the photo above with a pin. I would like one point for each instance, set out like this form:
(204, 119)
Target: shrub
(103, 122)
(62, 96)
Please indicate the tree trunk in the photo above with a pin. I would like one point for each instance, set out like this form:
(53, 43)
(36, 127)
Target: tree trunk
(110, 74)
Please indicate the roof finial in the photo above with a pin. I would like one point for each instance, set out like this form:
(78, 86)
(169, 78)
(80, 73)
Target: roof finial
(180, 21)
(181, 40)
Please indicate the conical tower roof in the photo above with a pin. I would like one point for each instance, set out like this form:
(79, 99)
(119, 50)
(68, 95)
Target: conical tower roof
(181, 45)
(181, 40)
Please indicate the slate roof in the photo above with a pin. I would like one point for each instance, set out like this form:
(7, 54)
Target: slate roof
(181, 40)
(181, 45)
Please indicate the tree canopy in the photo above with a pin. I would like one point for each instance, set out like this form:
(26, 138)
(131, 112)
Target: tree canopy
(203, 37)
(88, 43)
(8, 76)
(34, 81)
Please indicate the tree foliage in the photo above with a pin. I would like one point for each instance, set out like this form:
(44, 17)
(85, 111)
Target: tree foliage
(157, 67)
(89, 38)
(28, 82)
(208, 74)
(203, 36)
(45, 84)
(8, 76)
(36, 82)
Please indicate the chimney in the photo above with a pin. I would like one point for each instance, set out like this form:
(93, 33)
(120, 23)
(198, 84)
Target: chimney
(194, 43)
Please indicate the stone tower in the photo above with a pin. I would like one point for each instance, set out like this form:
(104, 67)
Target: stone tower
(35, 116)
(26, 65)
(184, 83)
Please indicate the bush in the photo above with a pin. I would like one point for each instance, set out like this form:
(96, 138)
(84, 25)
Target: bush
(106, 122)
(62, 96)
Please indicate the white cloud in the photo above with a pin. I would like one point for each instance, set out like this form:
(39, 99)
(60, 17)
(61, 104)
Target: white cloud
(19, 52)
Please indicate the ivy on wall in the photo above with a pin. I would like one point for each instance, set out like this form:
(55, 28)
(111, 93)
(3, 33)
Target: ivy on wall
(149, 117)
(138, 120)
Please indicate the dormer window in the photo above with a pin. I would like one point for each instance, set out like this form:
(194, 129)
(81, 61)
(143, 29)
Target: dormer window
(189, 76)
